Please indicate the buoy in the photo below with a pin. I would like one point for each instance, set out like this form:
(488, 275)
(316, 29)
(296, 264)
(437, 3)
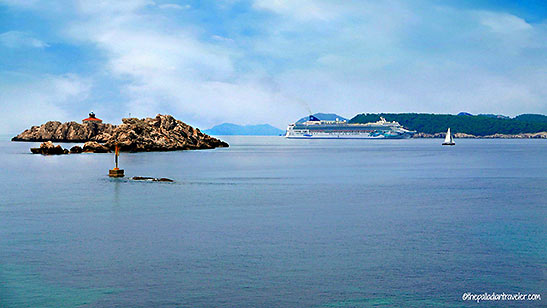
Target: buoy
(116, 172)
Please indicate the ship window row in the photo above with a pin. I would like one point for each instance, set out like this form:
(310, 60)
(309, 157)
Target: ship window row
(342, 130)
(334, 128)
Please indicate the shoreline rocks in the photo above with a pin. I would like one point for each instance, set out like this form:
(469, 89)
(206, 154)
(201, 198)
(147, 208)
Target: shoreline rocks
(540, 135)
(162, 133)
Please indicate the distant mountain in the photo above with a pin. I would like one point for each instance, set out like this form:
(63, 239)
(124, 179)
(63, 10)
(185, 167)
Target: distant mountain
(463, 113)
(324, 117)
(225, 129)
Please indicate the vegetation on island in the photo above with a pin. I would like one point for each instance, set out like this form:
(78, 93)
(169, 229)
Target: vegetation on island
(478, 125)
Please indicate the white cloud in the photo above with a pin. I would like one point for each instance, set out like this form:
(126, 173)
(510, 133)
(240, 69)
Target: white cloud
(104, 7)
(32, 100)
(174, 6)
(396, 57)
(303, 9)
(18, 39)
(343, 57)
(174, 71)
(503, 23)
(221, 38)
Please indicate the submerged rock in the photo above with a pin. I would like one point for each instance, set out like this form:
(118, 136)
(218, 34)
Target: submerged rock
(48, 148)
(162, 133)
(146, 178)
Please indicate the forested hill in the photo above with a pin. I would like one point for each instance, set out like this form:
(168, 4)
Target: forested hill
(479, 125)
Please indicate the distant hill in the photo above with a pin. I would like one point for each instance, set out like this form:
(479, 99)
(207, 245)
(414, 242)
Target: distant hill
(244, 130)
(534, 118)
(324, 117)
(469, 124)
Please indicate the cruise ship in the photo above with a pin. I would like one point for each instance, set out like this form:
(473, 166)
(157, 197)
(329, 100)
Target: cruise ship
(315, 128)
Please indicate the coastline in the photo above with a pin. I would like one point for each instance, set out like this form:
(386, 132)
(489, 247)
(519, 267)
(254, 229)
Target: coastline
(540, 135)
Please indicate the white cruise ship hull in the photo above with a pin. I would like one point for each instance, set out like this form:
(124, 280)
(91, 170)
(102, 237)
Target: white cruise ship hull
(318, 129)
(346, 136)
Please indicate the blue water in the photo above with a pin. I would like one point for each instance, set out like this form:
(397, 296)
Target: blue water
(271, 222)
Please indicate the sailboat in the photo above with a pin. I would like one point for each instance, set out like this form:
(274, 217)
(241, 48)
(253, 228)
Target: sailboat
(448, 140)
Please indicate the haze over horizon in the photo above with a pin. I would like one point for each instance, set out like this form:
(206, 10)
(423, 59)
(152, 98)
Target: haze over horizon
(267, 61)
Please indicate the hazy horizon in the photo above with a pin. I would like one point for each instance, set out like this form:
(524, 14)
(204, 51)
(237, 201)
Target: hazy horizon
(256, 61)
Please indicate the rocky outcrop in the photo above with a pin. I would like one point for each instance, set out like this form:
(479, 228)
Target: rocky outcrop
(95, 147)
(162, 133)
(48, 148)
(67, 132)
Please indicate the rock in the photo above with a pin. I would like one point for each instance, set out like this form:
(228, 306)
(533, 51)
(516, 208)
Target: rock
(146, 178)
(67, 132)
(48, 148)
(164, 180)
(76, 149)
(464, 135)
(95, 147)
(540, 135)
(162, 133)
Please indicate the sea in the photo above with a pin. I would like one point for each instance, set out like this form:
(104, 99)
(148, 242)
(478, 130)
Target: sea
(271, 222)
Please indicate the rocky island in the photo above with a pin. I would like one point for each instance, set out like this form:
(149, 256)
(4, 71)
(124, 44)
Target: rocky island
(162, 133)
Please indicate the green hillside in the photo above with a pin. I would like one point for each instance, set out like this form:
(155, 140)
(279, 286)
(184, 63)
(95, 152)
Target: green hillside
(535, 118)
(469, 124)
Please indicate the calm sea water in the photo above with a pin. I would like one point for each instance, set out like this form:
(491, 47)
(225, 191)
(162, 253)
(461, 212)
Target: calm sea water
(275, 222)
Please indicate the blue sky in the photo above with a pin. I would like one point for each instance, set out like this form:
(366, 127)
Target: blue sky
(258, 61)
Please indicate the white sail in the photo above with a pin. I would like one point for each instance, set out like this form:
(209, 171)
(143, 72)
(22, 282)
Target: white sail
(448, 138)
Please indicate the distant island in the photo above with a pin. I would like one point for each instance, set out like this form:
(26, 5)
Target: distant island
(465, 125)
(226, 129)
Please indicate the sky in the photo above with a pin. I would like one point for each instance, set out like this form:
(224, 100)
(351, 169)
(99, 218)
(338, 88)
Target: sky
(268, 61)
